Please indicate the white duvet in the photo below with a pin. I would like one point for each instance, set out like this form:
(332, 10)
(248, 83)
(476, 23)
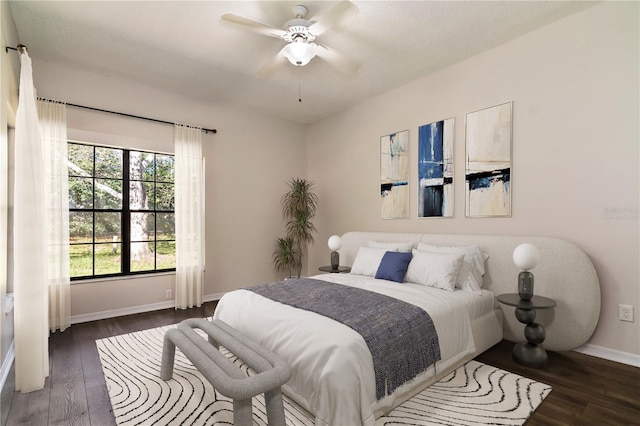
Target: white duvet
(333, 375)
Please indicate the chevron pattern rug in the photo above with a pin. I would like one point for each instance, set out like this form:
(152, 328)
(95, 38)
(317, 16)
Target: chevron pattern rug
(474, 394)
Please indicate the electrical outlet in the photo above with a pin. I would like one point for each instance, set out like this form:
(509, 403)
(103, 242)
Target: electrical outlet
(167, 293)
(626, 313)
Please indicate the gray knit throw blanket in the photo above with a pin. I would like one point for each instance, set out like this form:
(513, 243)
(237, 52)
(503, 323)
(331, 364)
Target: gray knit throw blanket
(401, 337)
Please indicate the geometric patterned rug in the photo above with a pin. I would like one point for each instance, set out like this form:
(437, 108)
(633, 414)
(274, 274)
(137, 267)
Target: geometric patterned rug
(474, 394)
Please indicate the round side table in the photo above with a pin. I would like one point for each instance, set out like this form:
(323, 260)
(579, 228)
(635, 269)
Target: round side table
(335, 271)
(529, 353)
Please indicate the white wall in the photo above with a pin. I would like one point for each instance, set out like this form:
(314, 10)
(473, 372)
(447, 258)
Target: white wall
(248, 163)
(575, 89)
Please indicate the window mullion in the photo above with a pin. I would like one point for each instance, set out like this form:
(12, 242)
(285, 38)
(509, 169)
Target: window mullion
(93, 214)
(126, 215)
(155, 211)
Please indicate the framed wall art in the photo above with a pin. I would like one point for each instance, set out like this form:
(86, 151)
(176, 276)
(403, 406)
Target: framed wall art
(488, 162)
(394, 176)
(435, 169)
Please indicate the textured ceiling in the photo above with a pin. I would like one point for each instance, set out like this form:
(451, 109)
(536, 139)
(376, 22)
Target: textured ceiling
(184, 46)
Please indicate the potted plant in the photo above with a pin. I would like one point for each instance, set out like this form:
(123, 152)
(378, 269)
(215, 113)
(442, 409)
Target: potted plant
(299, 206)
(285, 256)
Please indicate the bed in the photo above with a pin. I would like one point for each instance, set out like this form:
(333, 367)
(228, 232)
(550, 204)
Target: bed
(333, 373)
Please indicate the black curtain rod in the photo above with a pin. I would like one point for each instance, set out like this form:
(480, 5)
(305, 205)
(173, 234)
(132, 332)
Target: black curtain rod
(7, 48)
(117, 113)
(123, 114)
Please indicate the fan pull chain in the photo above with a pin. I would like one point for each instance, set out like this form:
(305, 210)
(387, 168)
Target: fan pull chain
(299, 95)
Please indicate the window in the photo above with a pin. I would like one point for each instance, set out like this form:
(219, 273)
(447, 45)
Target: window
(121, 211)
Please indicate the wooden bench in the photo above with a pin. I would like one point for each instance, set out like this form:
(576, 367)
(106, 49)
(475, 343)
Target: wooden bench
(224, 375)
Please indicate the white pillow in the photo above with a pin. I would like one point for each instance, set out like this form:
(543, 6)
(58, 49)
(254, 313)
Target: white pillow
(393, 246)
(472, 270)
(438, 270)
(368, 260)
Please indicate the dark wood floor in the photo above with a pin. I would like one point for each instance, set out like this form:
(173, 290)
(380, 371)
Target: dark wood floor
(586, 390)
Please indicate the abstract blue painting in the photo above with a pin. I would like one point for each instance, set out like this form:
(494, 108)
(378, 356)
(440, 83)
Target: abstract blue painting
(488, 162)
(394, 176)
(435, 169)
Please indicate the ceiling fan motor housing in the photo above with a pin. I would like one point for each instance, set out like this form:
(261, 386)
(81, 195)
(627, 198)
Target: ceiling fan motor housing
(298, 27)
(298, 33)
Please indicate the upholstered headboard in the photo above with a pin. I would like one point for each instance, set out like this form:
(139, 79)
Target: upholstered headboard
(564, 273)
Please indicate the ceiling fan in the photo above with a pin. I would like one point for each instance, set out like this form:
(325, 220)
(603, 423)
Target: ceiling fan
(300, 35)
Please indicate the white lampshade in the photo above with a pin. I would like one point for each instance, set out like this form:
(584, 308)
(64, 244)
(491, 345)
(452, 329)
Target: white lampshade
(299, 52)
(526, 256)
(334, 243)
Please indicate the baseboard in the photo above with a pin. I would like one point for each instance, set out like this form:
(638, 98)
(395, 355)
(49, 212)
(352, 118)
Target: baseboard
(112, 313)
(212, 297)
(610, 354)
(6, 366)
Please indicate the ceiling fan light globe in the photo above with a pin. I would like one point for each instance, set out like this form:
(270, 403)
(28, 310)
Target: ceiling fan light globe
(299, 53)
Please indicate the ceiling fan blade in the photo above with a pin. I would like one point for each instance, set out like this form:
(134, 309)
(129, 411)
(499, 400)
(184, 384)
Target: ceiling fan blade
(324, 20)
(272, 66)
(253, 25)
(336, 59)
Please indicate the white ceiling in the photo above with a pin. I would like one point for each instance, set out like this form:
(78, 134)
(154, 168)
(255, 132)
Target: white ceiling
(183, 46)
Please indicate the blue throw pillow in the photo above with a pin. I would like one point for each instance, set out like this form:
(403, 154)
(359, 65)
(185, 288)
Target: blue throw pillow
(393, 266)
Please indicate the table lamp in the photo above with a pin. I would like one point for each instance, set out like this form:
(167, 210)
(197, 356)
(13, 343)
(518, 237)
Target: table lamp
(526, 257)
(334, 243)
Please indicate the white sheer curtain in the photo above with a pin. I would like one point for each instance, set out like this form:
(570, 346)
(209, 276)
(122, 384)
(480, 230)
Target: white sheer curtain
(29, 247)
(53, 128)
(189, 216)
